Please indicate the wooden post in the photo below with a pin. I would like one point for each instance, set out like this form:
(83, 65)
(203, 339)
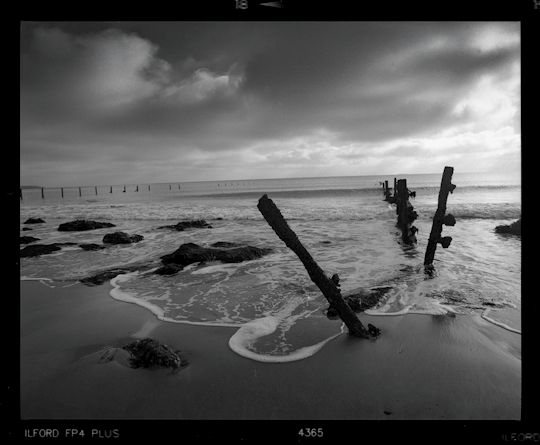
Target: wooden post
(178, 186)
(386, 191)
(20, 194)
(169, 186)
(327, 286)
(406, 213)
(111, 189)
(137, 189)
(148, 187)
(440, 218)
(62, 190)
(96, 190)
(42, 194)
(124, 189)
(80, 192)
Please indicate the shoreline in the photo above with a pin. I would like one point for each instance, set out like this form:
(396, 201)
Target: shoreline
(422, 367)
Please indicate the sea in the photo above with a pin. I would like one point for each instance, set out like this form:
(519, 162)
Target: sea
(275, 312)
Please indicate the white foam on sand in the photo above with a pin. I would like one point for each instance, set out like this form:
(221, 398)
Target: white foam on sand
(260, 327)
(498, 323)
(120, 295)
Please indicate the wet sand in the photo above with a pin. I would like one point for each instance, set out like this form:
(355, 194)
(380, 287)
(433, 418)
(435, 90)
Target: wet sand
(422, 367)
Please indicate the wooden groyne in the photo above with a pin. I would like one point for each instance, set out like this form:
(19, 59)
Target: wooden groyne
(440, 218)
(405, 212)
(328, 286)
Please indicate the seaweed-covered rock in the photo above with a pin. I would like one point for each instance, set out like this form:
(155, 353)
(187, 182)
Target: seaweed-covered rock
(182, 225)
(121, 238)
(148, 352)
(34, 221)
(169, 269)
(192, 253)
(80, 225)
(28, 239)
(39, 249)
(514, 228)
(92, 246)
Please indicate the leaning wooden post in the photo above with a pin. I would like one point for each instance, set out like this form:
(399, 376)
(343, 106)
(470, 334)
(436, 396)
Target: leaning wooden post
(327, 286)
(137, 189)
(440, 218)
(96, 190)
(42, 193)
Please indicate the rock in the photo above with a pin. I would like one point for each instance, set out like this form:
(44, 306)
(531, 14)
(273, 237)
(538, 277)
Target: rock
(192, 253)
(39, 249)
(361, 301)
(514, 228)
(182, 225)
(225, 245)
(28, 239)
(26, 228)
(92, 246)
(81, 225)
(169, 269)
(34, 221)
(121, 238)
(109, 274)
(148, 352)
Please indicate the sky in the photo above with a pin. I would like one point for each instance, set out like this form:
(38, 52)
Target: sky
(106, 103)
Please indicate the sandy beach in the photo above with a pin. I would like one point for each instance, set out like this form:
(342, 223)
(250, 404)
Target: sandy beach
(422, 367)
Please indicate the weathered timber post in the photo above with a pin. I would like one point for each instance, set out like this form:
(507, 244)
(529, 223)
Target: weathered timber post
(440, 218)
(386, 191)
(327, 286)
(42, 193)
(148, 187)
(20, 194)
(111, 189)
(62, 191)
(169, 186)
(96, 190)
(80, 192)
(137, 189)
(406, 213)
(124, 189)
(178, 186)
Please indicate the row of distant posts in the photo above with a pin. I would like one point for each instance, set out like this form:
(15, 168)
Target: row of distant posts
(406, 214)
(80, 191)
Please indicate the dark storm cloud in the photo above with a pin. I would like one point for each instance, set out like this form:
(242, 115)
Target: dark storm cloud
(131, 91)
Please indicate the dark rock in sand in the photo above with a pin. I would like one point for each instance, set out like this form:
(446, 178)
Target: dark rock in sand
(361, 301)
(39, 249)
(121, 238)
(148, 352)
(374, 331)
(34, 221)
(80, 225)
(26, 228)
(169, 269)
(182, 225)
(514, 228)
(192, 253)
(92, 246)
(28, 239)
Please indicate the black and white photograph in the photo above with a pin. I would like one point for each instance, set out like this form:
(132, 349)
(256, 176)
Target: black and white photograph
(270, 220)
